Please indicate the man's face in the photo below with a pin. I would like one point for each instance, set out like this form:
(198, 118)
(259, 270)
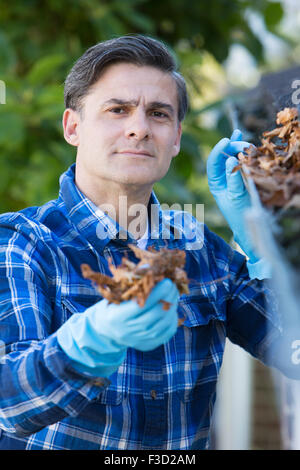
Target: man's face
(129, 131)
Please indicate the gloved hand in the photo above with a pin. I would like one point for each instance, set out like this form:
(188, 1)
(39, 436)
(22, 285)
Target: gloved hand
(97, 339)
(232, 197)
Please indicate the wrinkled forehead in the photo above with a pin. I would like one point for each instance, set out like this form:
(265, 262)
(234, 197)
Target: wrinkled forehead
(130, 82)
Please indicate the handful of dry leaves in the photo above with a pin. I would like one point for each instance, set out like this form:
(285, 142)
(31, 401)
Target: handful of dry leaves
(275, 165)
(135, 281)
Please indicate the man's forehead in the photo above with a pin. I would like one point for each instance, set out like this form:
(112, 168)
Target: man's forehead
(130, 80)
(120, 70)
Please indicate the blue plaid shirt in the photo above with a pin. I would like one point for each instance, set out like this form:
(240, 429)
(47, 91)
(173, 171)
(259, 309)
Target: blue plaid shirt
(160, 399)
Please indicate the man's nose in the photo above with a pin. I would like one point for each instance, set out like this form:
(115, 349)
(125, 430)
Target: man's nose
(138, 126)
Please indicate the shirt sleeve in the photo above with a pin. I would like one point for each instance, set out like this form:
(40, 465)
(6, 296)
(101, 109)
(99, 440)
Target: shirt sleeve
(255, 323)
(253, 320)
(38, 385)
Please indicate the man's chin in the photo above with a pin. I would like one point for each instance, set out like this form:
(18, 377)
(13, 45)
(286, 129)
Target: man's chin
(136, 180)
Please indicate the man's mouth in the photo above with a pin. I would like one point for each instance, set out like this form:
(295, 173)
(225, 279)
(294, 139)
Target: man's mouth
(138, 153)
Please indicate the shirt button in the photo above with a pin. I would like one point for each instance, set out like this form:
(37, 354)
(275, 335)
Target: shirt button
(153, 394)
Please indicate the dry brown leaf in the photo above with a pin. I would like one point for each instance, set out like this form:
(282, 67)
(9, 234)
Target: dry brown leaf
(135, 281)
(274, 166)
(286, 115)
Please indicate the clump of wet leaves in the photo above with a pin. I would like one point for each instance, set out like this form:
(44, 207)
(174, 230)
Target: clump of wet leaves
(136, 280)
(274, 166)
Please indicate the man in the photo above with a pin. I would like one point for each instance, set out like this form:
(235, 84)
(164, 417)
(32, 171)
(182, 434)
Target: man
(77, 372)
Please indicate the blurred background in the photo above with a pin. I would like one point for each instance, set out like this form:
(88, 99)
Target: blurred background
(227, 51)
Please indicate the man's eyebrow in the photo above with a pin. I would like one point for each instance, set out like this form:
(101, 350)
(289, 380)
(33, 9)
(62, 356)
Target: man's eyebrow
(161, 104)
(151, 105)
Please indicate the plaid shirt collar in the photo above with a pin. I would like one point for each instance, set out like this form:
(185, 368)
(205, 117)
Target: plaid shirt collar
(99, 228)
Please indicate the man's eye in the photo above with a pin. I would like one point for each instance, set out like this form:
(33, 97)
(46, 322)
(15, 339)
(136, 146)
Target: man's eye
(160, 114)
(117, 110)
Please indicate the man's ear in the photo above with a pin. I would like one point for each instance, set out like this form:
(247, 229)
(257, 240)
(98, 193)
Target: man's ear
(70, 123)
(176, 146)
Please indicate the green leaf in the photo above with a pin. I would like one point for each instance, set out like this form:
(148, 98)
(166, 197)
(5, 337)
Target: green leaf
(45, 69)
(8, 57)
(139, 21)
(273, 14)
(52, 111)
(50, 94)
(190, 145)
(12, 130)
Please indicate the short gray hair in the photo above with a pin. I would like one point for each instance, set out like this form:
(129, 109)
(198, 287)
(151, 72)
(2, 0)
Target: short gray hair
(135, 49)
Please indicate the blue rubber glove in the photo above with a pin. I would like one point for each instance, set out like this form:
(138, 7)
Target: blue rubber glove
(232, 197)
(97, 339)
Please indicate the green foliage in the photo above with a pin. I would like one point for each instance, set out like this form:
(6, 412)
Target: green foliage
(40, 41)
